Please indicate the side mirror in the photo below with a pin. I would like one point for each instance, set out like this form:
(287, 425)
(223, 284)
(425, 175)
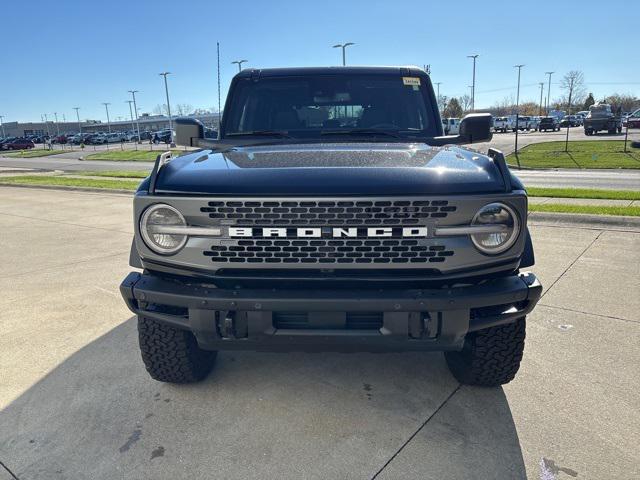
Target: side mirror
(475, 127)
(188, 132)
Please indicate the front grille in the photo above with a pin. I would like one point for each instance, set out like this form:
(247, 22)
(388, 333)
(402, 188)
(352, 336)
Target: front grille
(341, 251)
(392, 212)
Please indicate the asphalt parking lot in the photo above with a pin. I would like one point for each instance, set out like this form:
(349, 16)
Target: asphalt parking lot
(76, 402)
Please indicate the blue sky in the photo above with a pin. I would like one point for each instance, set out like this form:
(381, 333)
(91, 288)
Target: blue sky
(82, 53)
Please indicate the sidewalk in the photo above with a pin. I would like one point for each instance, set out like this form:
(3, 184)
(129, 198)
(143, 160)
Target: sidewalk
(584, 201)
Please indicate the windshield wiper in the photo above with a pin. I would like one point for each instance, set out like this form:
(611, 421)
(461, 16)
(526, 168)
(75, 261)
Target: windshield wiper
(260, 133)
(362, 131)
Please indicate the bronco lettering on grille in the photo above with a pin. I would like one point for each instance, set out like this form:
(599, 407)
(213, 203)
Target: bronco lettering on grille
(329, 232)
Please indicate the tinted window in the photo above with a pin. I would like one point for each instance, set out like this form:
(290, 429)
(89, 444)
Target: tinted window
(305, 106)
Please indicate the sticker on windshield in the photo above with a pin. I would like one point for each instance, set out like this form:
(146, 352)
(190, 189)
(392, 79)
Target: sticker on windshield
(411, 81)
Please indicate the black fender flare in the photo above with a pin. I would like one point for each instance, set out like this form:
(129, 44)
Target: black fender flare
(528, 257)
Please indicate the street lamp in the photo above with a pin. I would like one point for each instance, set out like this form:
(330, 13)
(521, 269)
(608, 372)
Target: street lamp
(46, 122)
(78, 116)
(239, 63)
(473, 87)
(106, 107)
(549, 90)
(343, 46)
(166, 89)
(133, 127)
(541, 90)
(2, 125)
(57, 124)
(438, 94)
(519, 67)
(133, 94)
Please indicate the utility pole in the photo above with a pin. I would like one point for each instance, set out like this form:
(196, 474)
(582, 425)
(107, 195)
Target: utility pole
(473, 88)
(57, 124)
(239, 63)
(78, 116)
(519, 67)
(2, 125)
(541, 90)
(135, 107)
(106, 107)
(343, 46)
(166, 89)
(438, 95)
(549, 90)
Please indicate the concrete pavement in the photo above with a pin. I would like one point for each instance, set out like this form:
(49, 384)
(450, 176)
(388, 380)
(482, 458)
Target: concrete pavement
(76, 402)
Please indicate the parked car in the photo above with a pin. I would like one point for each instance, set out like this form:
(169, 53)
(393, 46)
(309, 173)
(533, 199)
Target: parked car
(19, 144)
(162, 136)
(146, 135)
(451, 126)
(60, 139)
(113, 138)
(569, 121)
(548, 123)
(131, 136)
(501, 124)
(96, 139)
(633, 119)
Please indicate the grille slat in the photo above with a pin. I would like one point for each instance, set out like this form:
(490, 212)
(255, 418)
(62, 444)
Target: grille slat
(328, 251)
(327, 212)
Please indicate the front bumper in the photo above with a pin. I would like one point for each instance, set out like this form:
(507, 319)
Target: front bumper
(331, 320)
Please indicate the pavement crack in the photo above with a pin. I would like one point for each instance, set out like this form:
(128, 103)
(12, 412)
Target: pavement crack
(13, 475)
(416, 432)
(58, 222)
(589, 313)
(571, 264)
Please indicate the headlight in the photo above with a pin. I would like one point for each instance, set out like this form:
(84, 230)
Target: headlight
(496, 214)
(155, 225)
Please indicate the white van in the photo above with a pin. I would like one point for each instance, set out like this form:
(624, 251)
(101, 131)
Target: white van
(451, 126)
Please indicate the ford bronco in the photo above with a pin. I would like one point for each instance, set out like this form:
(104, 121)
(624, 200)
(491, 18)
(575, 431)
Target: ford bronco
(332, 214)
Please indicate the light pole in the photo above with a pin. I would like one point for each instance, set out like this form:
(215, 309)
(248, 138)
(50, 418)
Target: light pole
(473, 87)
(166, 90)
(133, 127)
(239, 63)
(549, 90)
(57, 124)
(46, 122)
(106, 107)
(78, 116)
(519, 67)
(541, 90)
(133, 94)
(438, 94)
(2, 125)
(343, 46)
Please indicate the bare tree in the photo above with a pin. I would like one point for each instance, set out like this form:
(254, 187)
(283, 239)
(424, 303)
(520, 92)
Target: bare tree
(183, 109)
(161, 109)
(465, 102)
(572, 84)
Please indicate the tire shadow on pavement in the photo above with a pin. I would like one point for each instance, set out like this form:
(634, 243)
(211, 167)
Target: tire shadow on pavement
(258, 415)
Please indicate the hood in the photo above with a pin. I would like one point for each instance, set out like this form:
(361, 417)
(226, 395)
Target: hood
(331, 169)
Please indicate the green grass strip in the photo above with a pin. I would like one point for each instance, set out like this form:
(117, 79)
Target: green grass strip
(33, 153)
(114, 173)
(60, 180)
(586, 209)
(130, 155)
(583, 193)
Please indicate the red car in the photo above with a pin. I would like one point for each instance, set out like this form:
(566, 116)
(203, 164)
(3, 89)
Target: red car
(633, 120)
(18, 144)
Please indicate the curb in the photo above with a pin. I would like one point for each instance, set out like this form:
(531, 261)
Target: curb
(632, 223)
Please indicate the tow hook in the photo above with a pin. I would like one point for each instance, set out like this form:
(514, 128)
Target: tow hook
(227, 325)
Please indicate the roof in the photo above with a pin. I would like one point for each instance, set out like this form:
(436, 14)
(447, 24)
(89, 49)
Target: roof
(370, 70)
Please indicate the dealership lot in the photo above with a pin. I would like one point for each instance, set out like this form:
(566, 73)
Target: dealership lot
(77, 403)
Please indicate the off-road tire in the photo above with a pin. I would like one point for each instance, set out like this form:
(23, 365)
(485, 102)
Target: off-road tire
(172, 355)
(490, 357)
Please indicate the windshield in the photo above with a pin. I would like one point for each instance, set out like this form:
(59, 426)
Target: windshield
(312, 106)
